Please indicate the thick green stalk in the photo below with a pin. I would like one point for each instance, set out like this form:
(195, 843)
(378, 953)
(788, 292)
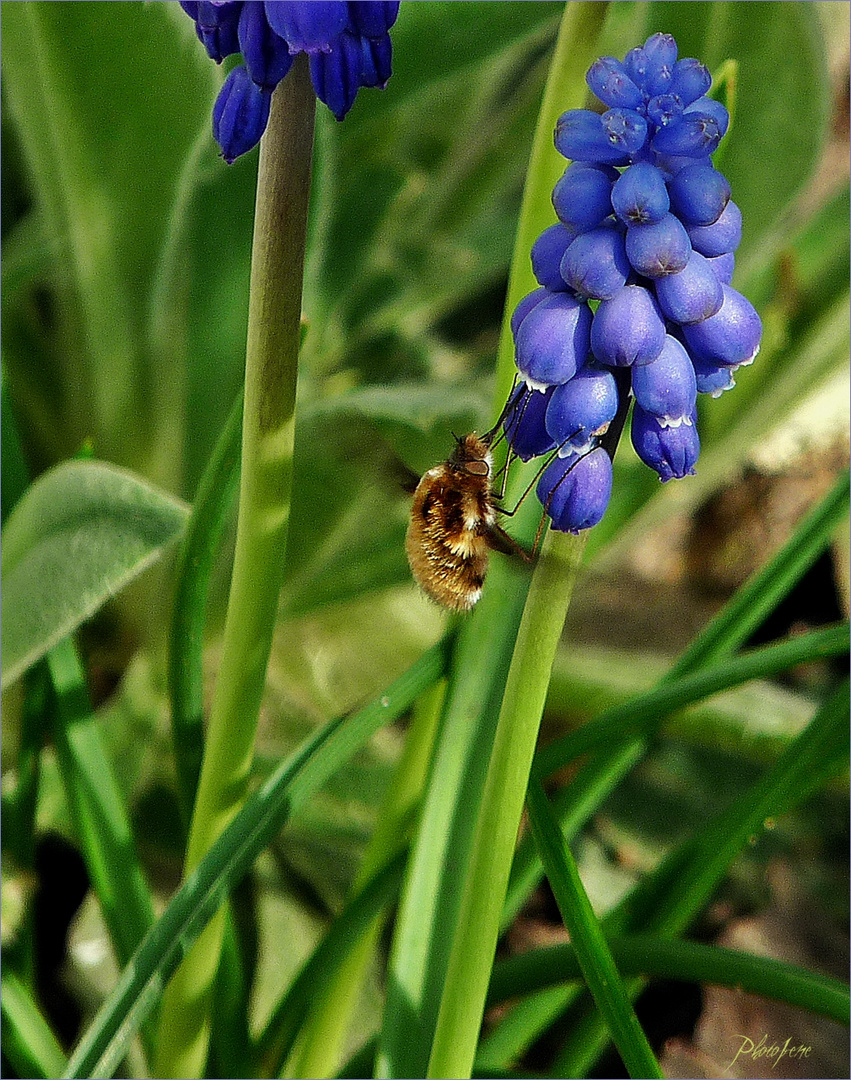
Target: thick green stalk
(280, 227)
(474, 945)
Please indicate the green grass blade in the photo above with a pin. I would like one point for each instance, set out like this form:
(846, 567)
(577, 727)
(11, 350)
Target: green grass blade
(595, 959)
(97, 807)
(686, 961)
(645, 714)
(213, 504)
(261, 817)
(28, 1040)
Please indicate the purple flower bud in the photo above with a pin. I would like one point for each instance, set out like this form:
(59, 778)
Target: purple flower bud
(699, 194)
(580, 136)
(582, 195)
(524, 306)
(608, 79)
(693, 294)
(713, 379)
(667, 388)
(377, 56)
(711, 107)
(660, 54)
(693, 134)
(217, 28)
(575, 491)
(547, 253)
(639, 195)
(723, 266)
(266, 55)
(372, 18)
(581, 408)
(336, 75)
(670, 451)
(690, 80)
(311, 28)
(595, 263)
(524, 423)
(625, 129)
(240, 114)
(553, 340)
(658, 249)
(664, 108)
(731, 336)
(628, 329)
(721, 236)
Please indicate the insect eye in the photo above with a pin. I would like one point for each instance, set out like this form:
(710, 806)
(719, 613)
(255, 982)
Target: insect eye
(477, 468)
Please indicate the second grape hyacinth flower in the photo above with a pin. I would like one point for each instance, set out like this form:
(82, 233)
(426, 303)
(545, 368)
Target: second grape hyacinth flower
(348, 46)
(635, 294)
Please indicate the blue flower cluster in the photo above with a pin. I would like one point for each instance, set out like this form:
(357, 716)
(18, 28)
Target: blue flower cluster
(646, 234)
(348, 45)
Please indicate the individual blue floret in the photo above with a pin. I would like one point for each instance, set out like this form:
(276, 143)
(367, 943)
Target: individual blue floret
(694, 134)
(575, 490)
(524, 423)
(523, 308)
(267, 57)
(580, 136)
(699, 194)
(639, 195)
(582, 409)
(582, 197)
(672, 452)
(608, 79)
(240, 114)
(547, 254)
(553, 340)
(658, 249)
(731, 336)
(722, 236)
(628, 329)
(595, 263)
(693, 294)
(667, 387)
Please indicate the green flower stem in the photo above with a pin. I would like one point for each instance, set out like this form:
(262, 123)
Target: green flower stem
(462, 1005)
(271, 365)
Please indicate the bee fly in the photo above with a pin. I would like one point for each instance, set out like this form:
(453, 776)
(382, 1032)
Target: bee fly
(454, 523)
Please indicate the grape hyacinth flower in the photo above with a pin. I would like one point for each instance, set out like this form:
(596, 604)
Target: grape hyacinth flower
(348, 45)
(635, 300)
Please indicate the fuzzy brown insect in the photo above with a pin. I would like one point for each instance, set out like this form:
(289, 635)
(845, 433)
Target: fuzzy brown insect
(454, 524)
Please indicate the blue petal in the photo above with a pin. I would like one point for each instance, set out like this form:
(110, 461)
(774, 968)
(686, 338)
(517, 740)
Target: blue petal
(337, 74)
(240, 114)
(372, 18)
(266, 55)
(311, 27)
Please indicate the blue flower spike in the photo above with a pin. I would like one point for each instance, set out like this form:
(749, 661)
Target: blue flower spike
(635, 300)
(348, 45)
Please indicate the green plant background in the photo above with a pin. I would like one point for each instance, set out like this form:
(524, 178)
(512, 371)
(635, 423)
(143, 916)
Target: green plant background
(126, 253)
